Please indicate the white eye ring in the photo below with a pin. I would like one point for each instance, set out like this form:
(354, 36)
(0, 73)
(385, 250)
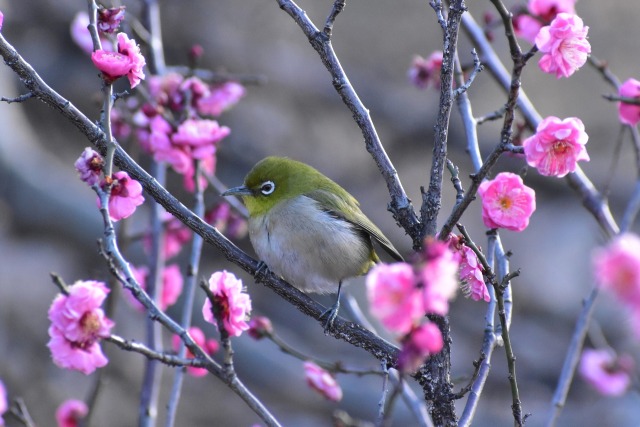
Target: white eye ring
(267, 187)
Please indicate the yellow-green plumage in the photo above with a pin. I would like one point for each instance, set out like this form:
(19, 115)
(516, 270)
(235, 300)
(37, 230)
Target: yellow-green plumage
(306, 228)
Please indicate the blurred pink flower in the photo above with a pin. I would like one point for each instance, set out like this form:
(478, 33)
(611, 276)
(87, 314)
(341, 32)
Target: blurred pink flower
(526, 27)
(77, 324)
(200, 136)
(176, 235)
(165, 90)
(1, 22)
(210, 346)
(438, 276)
(71, 412)
(89, 166)
(548, 9)
(81, 36)
(220, 98)
(260, 327)
(109, 19)
(4, 404)
(617, 268)
(226, 220)
(605, 372)
(393, 296)
(629, 114)
(419, 344)
(322, 381)
(172, 282)
(234, 305)
(507, 202)
(557, 146)
(564, 45)
(426, 72)
(126, 196)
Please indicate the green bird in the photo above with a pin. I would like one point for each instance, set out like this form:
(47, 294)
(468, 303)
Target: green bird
(307, 229)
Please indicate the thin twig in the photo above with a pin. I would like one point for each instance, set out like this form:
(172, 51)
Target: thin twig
(380, 419)
(20, 98)
(572, 358)
(477, 68)
(338, 6)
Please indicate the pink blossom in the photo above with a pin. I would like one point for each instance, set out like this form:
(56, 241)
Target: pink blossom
(548, 9)
(557, 146)
(526, 27)
(1, 19)
(129, 48)
(109, 19)
(605, 372)
(4, 405)
(210, 346)
(220, 98)
(200, 135)
(564, 45)
(207, 168)
(89, 166)
(234, 305)
(629, 114)
(393, 296)
(438, 276)
(426, 72)
(507, 202)
(126, 196)
(260, 327)
(470, 269)
(165, 90)
(71, 412)
(617, 268)
(322, 381)
(112, 64)
(172, 282)
(77, 324)
(419, 344)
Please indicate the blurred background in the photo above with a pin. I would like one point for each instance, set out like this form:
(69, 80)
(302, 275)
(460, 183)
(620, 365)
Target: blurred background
(48, 220)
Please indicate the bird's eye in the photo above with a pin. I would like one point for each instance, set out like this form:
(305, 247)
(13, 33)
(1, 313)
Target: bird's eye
(267, 187)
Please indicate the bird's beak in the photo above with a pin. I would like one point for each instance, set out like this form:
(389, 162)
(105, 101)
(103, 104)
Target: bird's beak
(238, 191)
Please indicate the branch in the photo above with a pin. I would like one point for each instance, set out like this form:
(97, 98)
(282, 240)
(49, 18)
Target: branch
(350, 332)
(400, 205)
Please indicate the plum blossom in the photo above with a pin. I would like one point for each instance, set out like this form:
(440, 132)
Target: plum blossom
(426, 72)
(71, 413)
(226, 220)
(89, 166)
(564, 45)
(1, 19)
(109, 19)
(540, 12)
(260, 327)
(126, 196)
(172, 282)
(77, 325)
(220, 98)
(126, 61)
(629, 114)
(210, 346)
(234, 305)
(393, 296)
(438, 276)
(200, 136)
(617, 268)
(322, 381)
(81, 36)
(419, 344)
(608, 374)
(557, 146)
(506, 202)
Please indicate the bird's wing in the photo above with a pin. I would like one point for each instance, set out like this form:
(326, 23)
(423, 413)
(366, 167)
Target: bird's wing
(346, 207)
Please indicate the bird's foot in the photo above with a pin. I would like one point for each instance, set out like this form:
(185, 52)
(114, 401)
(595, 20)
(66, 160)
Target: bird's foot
(261, 272)
(330, 315)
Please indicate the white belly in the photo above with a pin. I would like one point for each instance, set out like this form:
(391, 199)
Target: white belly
(307, 247)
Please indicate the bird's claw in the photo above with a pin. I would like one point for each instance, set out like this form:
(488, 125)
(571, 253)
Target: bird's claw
(261, 271)
(331, 315)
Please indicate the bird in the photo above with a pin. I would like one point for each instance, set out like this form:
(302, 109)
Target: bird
(307, 229)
